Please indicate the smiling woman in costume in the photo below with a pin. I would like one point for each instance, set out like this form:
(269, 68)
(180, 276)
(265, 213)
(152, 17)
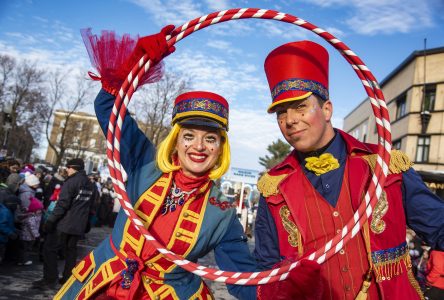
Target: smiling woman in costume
(172, 192)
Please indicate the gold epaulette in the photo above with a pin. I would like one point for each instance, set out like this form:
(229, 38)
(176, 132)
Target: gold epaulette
(268, 184)
(399, 161)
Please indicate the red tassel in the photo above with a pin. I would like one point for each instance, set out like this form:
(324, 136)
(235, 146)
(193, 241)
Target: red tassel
(114, 57)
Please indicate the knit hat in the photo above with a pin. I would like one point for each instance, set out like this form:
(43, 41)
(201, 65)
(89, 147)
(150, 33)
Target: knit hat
(13, 182)
(76, 163)
(32, 180)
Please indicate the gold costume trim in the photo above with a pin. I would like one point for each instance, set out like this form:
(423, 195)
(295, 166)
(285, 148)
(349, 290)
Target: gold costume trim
(377, 225)
(294, 235)
(268, 184)
(399, 161)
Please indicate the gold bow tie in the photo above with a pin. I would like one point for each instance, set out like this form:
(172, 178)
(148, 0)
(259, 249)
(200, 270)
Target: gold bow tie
(320, 165)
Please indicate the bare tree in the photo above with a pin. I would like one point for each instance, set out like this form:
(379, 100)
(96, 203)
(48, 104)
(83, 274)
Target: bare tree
(155, 102)
(7, 65)
(66, 102)
(22, 91)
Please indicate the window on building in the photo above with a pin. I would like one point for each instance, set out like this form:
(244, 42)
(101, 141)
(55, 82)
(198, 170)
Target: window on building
(96, 128)
(397, 144)
(92, 143)
(79, 126)
(422, 149)
(59, 138)
(62, 123)
(401, 106)
(429, 98)
(76, 140)
(355, 133)
(364, 132)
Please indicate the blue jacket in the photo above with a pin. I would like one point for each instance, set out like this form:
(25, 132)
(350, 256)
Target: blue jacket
(6, 224)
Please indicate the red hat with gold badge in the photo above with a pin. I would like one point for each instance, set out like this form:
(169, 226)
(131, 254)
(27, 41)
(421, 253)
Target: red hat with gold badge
(295, 71)
(201, 108)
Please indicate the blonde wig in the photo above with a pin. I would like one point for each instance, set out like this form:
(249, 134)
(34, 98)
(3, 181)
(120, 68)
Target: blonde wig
(167, 149)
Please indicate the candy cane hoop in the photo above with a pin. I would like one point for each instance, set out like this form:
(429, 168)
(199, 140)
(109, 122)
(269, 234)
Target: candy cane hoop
(364, 210)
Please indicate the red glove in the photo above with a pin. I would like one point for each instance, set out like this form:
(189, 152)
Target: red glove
(155, 45)
(304, 282)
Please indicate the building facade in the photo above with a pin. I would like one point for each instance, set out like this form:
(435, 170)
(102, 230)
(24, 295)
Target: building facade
(414, 93)
(81, 136)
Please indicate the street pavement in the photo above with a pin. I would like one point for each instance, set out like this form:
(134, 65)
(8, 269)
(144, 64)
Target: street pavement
(16, 281)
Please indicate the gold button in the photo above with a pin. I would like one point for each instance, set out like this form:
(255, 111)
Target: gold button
(148, 280)
(344, 269)
(178, 234)
(335, 214)
(342, 251)
(185, 214)
(157, 297)
(338, 231)
(150, 265)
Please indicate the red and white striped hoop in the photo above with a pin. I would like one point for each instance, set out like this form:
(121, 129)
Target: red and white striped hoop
(353, 226)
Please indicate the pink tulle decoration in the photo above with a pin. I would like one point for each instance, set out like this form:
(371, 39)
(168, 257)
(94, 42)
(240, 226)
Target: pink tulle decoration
(113, 58)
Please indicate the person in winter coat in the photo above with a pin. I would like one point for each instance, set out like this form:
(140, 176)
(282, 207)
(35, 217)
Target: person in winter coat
(57, 179)
(67, 223)
(52, 201)
(7, 228)
(106, 205)
(9, 184)
(29, 221)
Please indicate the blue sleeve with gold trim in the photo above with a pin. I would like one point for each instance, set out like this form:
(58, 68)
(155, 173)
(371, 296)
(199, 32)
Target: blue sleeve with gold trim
(136, 149)
(424, 210)
(232, 254)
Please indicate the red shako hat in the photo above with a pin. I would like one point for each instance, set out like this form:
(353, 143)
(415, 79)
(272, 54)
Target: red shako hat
(201, 108)
(295, 71)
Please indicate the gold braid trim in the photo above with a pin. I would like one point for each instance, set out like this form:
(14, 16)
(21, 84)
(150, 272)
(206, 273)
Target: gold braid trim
(268, 184)
(399, 161)
(413, 281)
(363, 292)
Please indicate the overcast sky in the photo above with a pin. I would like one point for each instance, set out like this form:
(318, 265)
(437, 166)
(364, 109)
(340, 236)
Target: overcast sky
(228, 58)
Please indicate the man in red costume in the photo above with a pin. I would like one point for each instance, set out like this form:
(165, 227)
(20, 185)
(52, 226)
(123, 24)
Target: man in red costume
(309, 197)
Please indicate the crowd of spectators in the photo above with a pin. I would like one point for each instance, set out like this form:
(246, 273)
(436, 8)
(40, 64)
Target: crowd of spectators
(28, 196)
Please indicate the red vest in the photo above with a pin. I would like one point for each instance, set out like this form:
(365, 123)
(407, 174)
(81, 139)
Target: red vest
(310, 221)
